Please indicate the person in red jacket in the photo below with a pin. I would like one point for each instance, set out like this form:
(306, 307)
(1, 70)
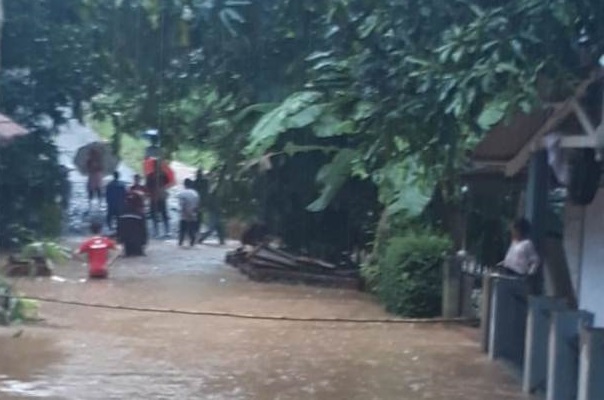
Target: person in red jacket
(98, 249)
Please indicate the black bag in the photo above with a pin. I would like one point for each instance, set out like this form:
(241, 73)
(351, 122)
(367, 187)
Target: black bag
(585, 176)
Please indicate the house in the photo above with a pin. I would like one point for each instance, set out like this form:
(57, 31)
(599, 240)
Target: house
(560, 145)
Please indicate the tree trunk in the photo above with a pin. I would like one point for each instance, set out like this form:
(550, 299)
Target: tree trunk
(1, 26)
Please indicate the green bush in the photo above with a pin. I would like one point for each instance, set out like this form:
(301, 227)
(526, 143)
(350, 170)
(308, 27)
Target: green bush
(30, 182)
(409, 281)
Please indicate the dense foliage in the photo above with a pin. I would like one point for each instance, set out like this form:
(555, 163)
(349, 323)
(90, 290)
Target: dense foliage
(30, 182)
(51, 61)
(322, 115)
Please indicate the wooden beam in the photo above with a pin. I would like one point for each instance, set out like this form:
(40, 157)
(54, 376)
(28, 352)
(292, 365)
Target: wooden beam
(583, 118)
(516, 164)
(578, 142)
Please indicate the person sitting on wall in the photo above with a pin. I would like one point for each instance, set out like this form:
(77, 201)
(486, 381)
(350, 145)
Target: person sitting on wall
(521, 259)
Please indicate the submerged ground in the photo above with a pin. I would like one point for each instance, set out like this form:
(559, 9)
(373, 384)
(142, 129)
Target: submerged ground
(83, 353)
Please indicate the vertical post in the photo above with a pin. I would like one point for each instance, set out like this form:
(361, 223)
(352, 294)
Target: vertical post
(485, 311)
(466, 308)
(591, 364)
(507, 329)
(540, 312)
(116, 140)
(451, 287)
(563, 363)
(537, 200)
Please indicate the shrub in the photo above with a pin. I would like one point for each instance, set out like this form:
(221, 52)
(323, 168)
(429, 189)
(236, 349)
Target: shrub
(14, 309)
(409, 282)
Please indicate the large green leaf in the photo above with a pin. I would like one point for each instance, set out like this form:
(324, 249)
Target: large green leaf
(297, 111)
(333, 176)
(305, 117)
(403, 189)
(292, 149)
(368, 26)
(329, 125)
(492, 114)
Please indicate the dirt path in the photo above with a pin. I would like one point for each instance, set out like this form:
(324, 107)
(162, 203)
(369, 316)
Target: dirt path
(73, 135)
(81, 353)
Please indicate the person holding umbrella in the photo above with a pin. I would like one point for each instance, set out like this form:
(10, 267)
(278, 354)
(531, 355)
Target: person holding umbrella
(94, 165)
(95, 160)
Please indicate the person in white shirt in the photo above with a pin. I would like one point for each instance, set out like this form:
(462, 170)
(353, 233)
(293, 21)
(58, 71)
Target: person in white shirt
(189, 210)
(522, 258)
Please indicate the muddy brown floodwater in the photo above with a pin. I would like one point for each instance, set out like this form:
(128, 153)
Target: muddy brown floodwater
(89, 354)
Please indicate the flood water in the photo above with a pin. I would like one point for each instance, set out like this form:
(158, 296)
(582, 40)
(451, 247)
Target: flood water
(85, 353)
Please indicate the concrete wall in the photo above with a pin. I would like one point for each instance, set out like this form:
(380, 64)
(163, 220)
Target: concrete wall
(587, 273)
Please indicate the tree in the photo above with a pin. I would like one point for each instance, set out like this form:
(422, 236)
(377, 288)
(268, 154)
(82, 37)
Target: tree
(1, 26)
(52, 61)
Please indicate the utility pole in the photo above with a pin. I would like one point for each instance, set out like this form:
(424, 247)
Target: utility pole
(1, 26)
(116, 140)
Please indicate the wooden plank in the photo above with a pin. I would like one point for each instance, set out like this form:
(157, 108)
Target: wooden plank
(315, 262)
(578, 142)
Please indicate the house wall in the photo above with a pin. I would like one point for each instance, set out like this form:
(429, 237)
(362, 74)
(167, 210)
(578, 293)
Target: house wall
(587, 272)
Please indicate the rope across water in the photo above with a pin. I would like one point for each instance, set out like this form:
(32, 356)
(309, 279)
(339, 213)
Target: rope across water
(235, 315)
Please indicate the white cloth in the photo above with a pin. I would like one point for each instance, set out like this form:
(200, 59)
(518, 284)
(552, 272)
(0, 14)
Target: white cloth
(522, 257)
(555, 157)
(189, 205)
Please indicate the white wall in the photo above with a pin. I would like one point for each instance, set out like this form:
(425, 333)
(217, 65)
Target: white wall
(587, 274)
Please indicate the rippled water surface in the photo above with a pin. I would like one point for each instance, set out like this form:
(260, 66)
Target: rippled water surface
(82, 353)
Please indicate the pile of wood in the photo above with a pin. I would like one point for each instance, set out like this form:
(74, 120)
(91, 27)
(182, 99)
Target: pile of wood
(265, 263)
(28, 267)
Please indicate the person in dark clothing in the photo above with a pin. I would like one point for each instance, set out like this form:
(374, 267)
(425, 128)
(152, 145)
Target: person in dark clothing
(132, 229)
(156, 184)
(138, 192)
(116, 197)
(200, 184)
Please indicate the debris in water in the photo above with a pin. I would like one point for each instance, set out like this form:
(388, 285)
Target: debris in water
(266, 263)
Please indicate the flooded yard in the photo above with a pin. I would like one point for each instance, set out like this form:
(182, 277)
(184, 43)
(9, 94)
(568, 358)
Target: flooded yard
(86, 353)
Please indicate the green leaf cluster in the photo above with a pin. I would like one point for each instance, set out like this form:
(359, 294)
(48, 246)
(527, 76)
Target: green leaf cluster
(409, 280)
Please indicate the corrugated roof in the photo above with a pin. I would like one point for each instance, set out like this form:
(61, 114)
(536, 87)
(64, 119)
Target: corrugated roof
(507, 138)
(9, 129)
(509, 144)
